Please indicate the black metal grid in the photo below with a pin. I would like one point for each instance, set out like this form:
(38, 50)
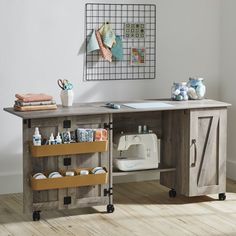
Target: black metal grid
(96, 68)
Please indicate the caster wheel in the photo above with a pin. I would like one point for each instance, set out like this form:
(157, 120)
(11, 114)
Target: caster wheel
(172, 193)
(222, 196)
(110, 208)
(36, 215)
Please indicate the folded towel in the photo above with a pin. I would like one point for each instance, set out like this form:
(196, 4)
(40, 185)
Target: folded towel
(106, 53)
(33, 97)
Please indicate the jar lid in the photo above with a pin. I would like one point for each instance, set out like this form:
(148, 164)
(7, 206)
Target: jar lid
(180, 83)
(196, 78)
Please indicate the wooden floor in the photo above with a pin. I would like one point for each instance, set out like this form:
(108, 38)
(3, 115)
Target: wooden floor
(142, 208)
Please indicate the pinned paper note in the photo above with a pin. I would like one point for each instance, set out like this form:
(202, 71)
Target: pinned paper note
(117, 49)
(137, 56)
(105, 52)
(136, 30)
(108, 36)
(92, 43)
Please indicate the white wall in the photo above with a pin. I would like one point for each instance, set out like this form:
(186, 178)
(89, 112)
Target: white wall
(40, 41)
(228, 77)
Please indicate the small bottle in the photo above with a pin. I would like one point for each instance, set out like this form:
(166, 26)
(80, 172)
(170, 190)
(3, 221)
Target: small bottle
(140, 129)
(145, 129)
(58, 139)
(51, 140)
(36, 137)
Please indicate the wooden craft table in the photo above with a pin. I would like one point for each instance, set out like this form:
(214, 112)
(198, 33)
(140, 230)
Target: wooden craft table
(193, 151)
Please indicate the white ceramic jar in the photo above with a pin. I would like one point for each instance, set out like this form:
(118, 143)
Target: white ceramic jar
(67, 97)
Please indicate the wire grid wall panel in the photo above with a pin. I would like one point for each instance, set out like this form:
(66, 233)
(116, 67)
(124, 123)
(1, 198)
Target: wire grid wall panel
(118, 15)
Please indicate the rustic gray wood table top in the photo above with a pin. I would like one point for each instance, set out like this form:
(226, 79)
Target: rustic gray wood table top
(100, 108)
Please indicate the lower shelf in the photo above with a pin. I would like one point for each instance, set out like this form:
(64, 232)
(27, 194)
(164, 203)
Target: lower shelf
(69, 181)
(123, 173)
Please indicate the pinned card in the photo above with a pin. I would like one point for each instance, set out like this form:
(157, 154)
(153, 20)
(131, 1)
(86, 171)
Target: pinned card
(137, 56)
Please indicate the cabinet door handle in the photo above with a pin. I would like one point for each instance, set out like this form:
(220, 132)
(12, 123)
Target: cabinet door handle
(194, 142)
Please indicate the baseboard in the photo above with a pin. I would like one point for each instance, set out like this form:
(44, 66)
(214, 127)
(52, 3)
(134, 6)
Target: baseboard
(11, 183)
(231, 169)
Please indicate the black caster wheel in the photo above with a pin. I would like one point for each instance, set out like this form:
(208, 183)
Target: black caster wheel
(36, 215)
(172, 193)
(110, 208)
(222, 196)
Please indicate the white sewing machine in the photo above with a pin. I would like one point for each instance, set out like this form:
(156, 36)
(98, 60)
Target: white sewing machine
(136, 152)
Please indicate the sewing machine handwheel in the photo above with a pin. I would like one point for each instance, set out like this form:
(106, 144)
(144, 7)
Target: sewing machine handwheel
(172, 193)
(110, 208)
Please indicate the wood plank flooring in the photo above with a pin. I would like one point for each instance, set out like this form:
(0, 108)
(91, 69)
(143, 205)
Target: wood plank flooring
(142, 208)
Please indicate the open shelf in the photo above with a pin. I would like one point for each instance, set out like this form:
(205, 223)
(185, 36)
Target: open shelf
(68, 149)
(69, 181)
(123, 173)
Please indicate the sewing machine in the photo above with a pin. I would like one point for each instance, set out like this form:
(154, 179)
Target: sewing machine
(136, 152)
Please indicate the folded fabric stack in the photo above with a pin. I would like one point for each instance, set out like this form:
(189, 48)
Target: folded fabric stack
(34, 102)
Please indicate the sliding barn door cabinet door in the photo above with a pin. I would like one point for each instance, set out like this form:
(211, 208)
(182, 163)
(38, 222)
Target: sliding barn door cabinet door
(207, 152)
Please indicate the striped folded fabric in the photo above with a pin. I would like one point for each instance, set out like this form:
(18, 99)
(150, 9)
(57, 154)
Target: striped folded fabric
(21, 103)
(105, 52)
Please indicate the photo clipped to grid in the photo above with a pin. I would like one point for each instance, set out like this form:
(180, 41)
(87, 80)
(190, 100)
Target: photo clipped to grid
(135, 27)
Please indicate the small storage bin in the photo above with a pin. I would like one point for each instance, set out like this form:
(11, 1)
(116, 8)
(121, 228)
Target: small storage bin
(69, 181)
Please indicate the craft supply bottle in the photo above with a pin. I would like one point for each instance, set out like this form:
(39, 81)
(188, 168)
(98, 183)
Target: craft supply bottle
(145, 129)
(58, 139)
(51, 140)
(36, 137)
(140, 129)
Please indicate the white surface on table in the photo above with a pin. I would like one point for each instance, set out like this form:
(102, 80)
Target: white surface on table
(146, 105)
